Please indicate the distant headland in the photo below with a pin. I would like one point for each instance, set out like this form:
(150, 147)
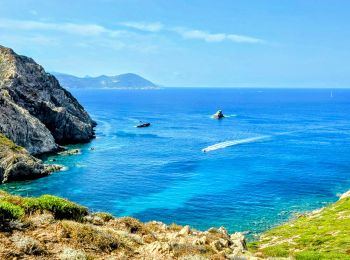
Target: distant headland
(122, 81)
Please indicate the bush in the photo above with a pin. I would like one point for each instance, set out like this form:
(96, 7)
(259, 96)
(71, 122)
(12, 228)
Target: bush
(9, 211)
(31, 205)
(61, 208)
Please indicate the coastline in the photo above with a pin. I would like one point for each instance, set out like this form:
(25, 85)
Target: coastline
(49, 226)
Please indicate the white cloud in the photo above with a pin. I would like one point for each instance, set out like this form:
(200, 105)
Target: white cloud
(200, 35)
(142, 26)
(187, 33)
(96, 30)
(243, 38)
(72, 28)
(214, 37)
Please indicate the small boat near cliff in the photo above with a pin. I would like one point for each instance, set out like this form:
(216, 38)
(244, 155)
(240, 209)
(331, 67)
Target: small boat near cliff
(143, 125)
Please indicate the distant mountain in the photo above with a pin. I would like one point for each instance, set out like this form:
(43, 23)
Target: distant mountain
(122, 81)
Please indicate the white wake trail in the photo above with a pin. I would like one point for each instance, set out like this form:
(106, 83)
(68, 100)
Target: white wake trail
(234, 142)
(255, 139)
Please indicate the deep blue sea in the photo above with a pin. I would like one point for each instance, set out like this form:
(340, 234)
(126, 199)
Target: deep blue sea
(288, 152)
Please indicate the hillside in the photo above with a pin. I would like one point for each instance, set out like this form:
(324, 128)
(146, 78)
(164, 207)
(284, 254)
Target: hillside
(123, 81)
(321, 234)
(49, 227)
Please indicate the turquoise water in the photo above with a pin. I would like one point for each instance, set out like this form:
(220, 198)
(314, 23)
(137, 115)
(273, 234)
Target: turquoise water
(288, 151)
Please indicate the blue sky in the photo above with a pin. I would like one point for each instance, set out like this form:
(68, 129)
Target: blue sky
(247, 43)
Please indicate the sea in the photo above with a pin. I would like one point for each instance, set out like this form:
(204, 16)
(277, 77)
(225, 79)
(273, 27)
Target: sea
(277, 153)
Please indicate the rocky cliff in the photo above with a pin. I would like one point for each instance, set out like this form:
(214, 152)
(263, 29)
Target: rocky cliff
(17, 164)
(35, 111)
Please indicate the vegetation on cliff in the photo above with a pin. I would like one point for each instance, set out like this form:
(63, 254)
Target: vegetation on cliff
(50, 227)
(5, 142)
(321, 234)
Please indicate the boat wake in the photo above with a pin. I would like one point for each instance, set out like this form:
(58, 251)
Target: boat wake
(234, 142)
(254, 139)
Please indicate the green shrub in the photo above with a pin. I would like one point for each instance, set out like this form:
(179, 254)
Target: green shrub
(31, 205)
(61, 208)
(9, 211)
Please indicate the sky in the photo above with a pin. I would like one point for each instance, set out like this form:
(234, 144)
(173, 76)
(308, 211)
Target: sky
(187, 43)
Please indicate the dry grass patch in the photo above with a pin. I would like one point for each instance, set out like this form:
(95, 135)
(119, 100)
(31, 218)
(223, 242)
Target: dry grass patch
(129, 224)
(27, 245)
(72, 254)
(90, 236)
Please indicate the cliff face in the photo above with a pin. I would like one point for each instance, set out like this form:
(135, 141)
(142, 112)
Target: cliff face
(17, 164)
(36, 112)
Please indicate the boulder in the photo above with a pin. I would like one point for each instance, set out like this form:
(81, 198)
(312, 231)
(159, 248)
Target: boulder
(218, 115)
(17, 164)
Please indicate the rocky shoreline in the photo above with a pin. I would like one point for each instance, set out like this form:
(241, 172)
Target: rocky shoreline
(17, 164)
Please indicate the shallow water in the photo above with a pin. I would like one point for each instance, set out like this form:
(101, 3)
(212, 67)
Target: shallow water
(279, 152)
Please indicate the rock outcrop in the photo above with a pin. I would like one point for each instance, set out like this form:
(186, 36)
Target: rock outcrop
(218, 115)
(17, 164)
(35, 111)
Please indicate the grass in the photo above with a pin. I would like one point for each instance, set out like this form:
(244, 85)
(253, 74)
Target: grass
(87, 234)
(312, 255)
(9, 211)
(8, 143)
(59, 207)
(320, 235)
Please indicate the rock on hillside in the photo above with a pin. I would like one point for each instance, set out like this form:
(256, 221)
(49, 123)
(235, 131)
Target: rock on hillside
(17, 164)
(36, 112)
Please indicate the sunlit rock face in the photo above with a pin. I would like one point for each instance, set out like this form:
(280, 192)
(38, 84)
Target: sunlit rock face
(35, 111)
